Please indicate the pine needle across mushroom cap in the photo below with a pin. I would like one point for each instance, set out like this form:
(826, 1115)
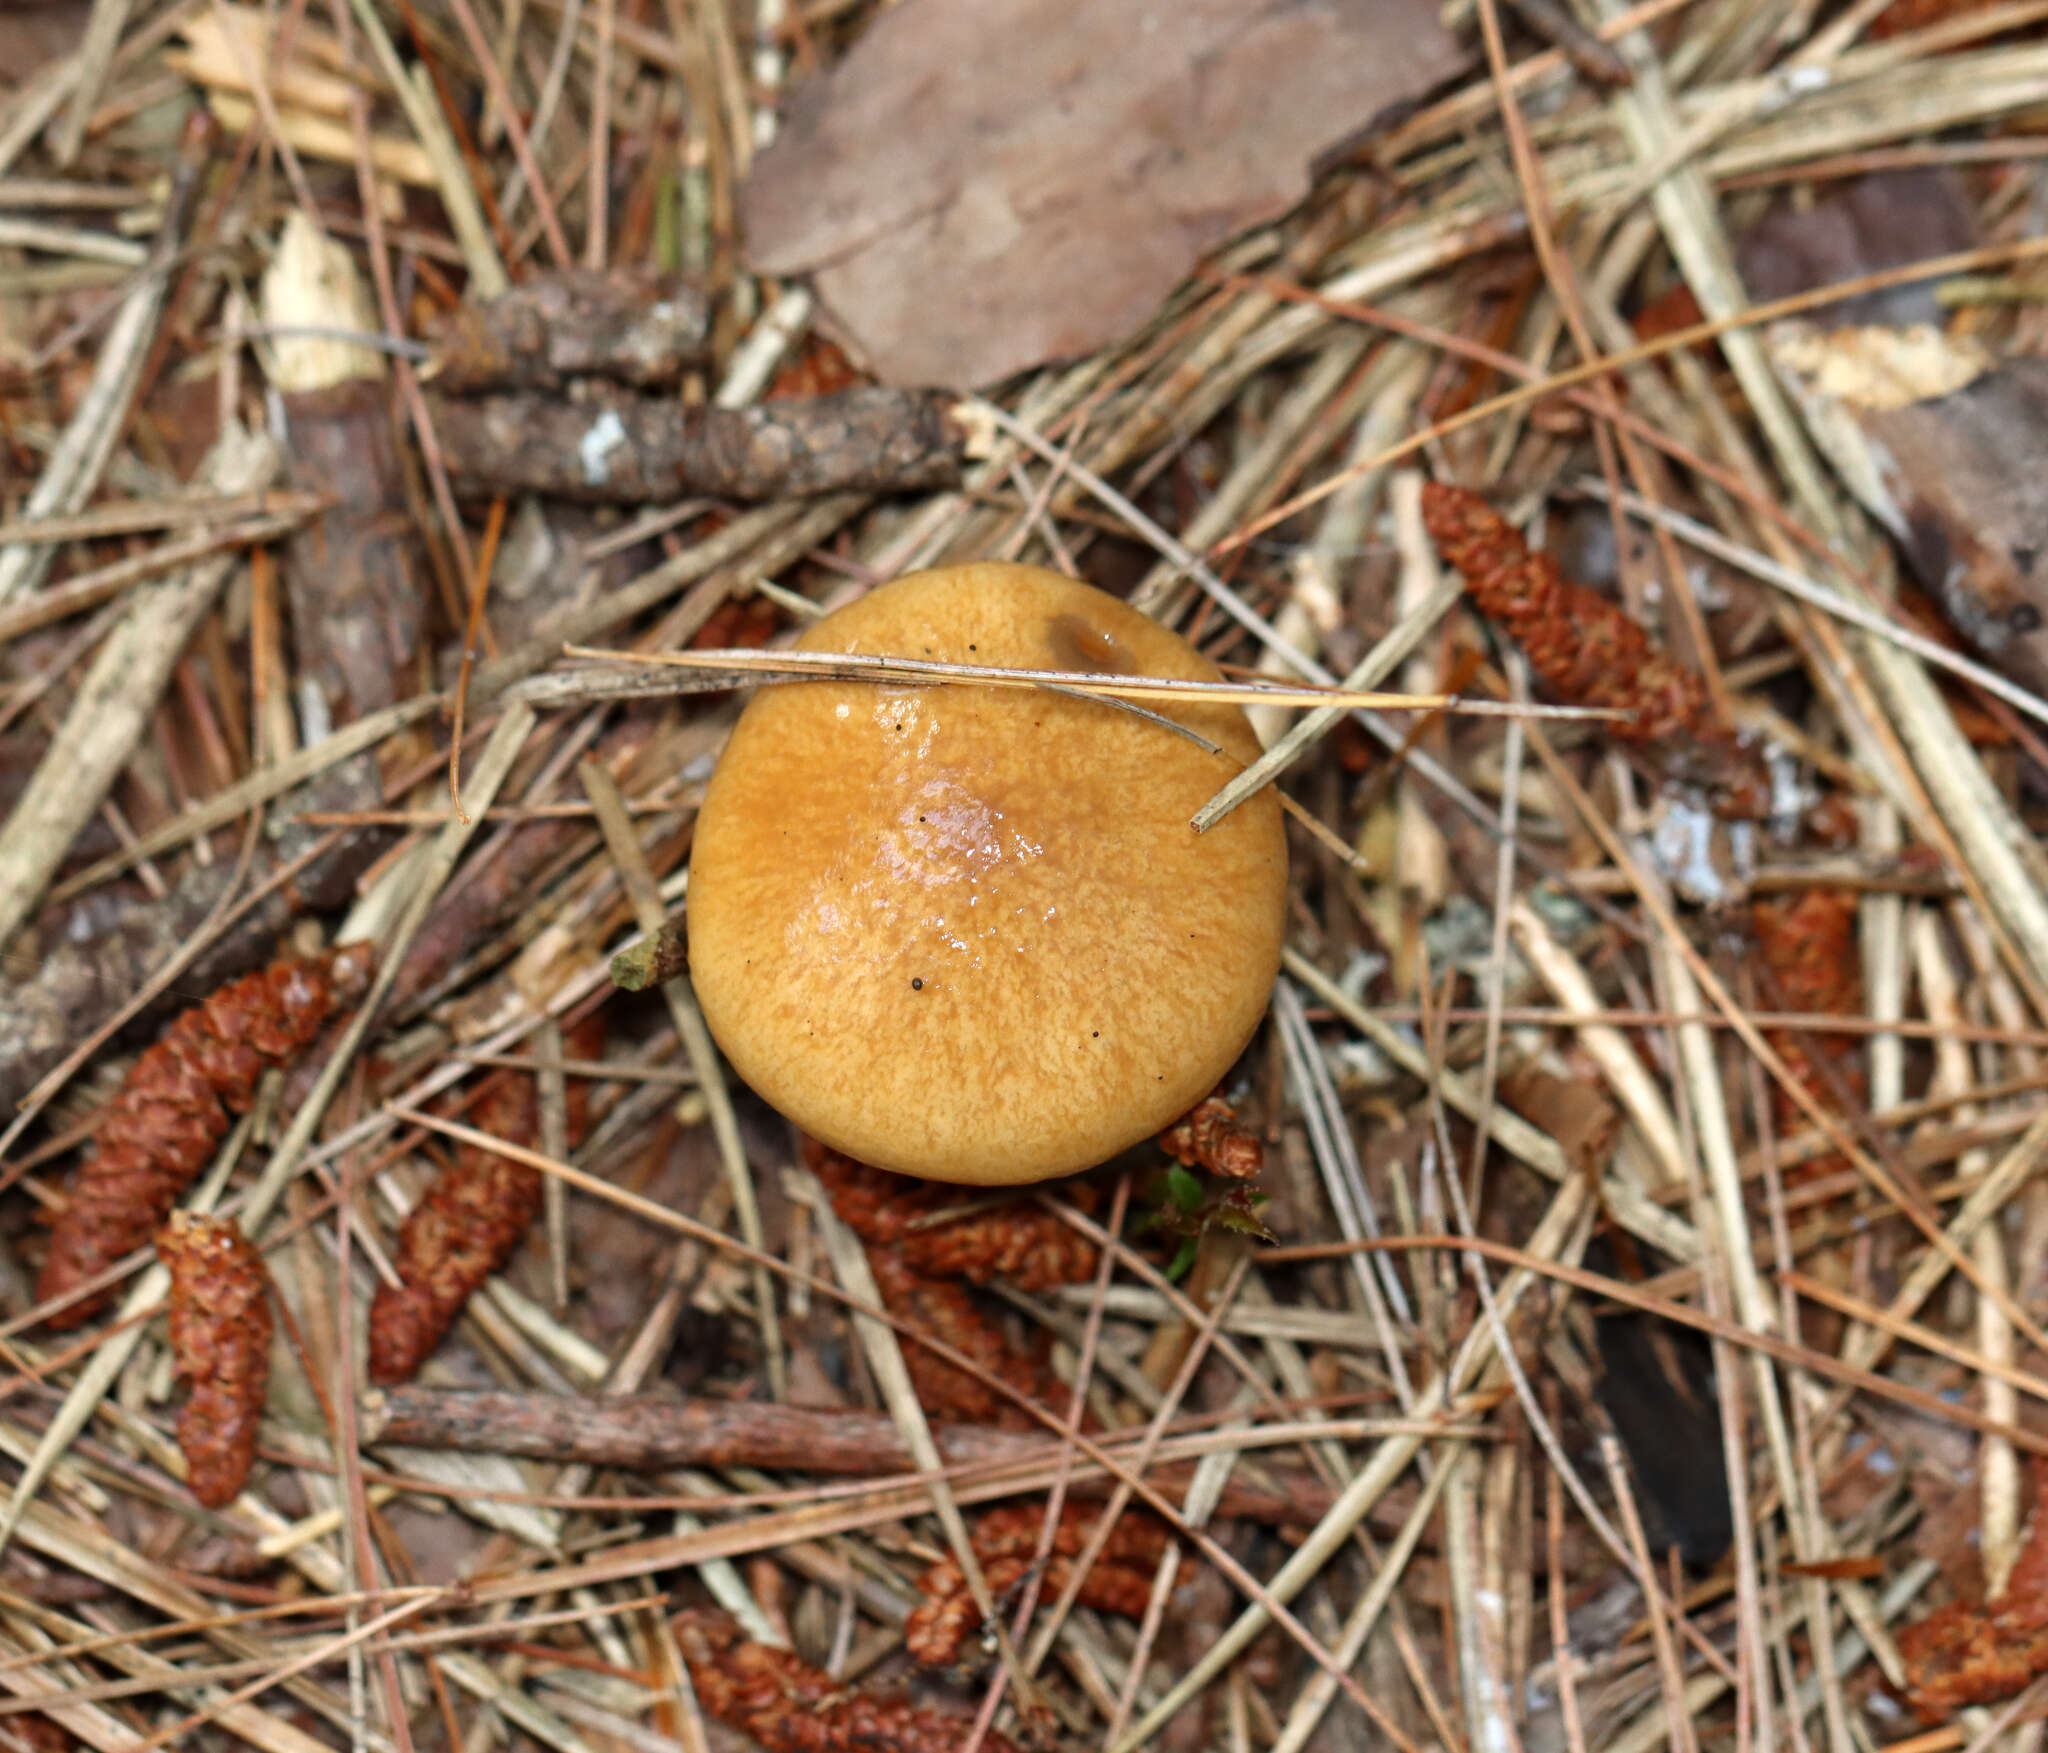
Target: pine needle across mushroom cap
(965, 932)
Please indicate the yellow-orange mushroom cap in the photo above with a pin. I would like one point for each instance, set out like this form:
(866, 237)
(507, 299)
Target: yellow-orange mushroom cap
(966, 932)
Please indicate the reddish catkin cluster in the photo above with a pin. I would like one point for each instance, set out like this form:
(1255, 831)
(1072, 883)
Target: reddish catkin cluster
(1015, 1239)
(780, 1701)
(173, 1110)
(1005, 1542)
(1210, 1138)
(948, 1313)
(221, 1324)
(467, 1225)
(1589, 652)
(470, 1221)
(918, 1256)
(1807, 945)
(1979, 1652)
(39, 1733)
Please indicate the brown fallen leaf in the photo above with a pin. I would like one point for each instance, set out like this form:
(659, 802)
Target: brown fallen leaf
(1866, 225)
(1936, 470)
(1921, 419)
(980, 188)
(1975, 527)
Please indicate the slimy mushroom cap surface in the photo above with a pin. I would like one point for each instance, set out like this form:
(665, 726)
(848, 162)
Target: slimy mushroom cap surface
(966, 932)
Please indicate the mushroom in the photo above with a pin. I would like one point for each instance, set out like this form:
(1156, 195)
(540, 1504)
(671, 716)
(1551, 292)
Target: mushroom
(966, 932)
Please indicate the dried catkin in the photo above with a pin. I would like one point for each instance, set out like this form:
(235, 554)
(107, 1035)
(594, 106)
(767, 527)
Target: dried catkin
(1980, 1652)
(919, 1253)
(1808, 945)
(1012, 1239)
(221, 1325)
(949, 1313)
(470, 1222)
(174, 1107)
(1005, 1542)
(787, 1706)
(39, 1734)
(1588, 651)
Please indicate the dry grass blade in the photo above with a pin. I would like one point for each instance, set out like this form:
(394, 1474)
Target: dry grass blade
(885, 1357)
(113, 702)
(82, 454)
(853, 666)
(271, 782)
(1377, 664)
(1391, 1459)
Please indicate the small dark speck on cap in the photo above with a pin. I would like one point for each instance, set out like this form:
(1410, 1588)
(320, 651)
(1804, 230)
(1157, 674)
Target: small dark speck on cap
(917, 986)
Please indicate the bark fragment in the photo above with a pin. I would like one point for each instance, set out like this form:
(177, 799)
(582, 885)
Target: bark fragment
(638, 328)
(624, 450)
(652, 1432)
(353, 575)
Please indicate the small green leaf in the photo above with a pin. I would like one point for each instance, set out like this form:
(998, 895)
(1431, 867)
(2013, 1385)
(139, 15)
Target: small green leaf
(1184, 1189)
(1184, 1261)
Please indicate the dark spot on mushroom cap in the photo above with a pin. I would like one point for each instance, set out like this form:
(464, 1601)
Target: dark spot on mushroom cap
(1078, 644)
